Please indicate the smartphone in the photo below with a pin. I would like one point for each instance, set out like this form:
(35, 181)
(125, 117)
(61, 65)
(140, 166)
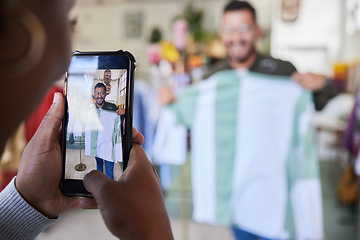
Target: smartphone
(97, 124)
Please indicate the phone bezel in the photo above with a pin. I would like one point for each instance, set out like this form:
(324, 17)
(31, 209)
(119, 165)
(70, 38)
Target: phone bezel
(75, 187)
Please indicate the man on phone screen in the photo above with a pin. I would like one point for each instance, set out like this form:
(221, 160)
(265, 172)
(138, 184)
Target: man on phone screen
(104, 143)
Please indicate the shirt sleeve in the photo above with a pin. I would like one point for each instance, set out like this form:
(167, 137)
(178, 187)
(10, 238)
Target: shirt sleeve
(185, 105)
(18, 220)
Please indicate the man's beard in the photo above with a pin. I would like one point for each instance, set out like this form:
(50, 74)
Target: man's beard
(101, 99)
(245, 58)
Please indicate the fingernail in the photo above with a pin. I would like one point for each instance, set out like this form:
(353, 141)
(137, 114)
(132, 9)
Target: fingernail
(56, 97)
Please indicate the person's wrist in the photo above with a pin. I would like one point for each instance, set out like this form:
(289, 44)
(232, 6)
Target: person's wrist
(36, 204)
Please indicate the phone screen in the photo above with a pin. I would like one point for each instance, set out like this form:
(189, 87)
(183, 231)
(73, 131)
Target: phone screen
(97, 125)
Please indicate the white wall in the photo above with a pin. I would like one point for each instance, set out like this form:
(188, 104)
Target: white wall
(351, 47)
(317, 38)
(313, 41)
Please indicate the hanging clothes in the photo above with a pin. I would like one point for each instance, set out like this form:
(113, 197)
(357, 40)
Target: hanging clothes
(351, 139)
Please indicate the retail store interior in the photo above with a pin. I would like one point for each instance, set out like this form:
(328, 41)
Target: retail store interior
(175, 42)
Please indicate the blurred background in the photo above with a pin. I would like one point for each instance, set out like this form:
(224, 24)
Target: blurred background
(174, 43)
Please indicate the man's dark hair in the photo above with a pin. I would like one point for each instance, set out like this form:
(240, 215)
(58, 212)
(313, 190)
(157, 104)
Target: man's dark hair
(240, 5)
(100, 85)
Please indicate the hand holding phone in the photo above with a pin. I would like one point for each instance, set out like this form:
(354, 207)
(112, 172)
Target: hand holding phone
(135, 200)
(132, 208)
(39, 172)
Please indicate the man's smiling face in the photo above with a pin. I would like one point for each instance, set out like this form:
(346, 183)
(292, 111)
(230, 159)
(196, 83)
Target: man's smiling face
(239, 33)
(99, 94)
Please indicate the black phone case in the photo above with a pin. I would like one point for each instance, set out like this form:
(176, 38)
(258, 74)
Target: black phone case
(73, 187)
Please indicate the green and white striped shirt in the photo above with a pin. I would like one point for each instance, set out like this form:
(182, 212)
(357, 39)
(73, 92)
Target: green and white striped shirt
(254, 161)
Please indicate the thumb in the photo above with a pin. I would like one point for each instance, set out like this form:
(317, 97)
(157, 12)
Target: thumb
(48, 131)
(95, 181)
(53, 118)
